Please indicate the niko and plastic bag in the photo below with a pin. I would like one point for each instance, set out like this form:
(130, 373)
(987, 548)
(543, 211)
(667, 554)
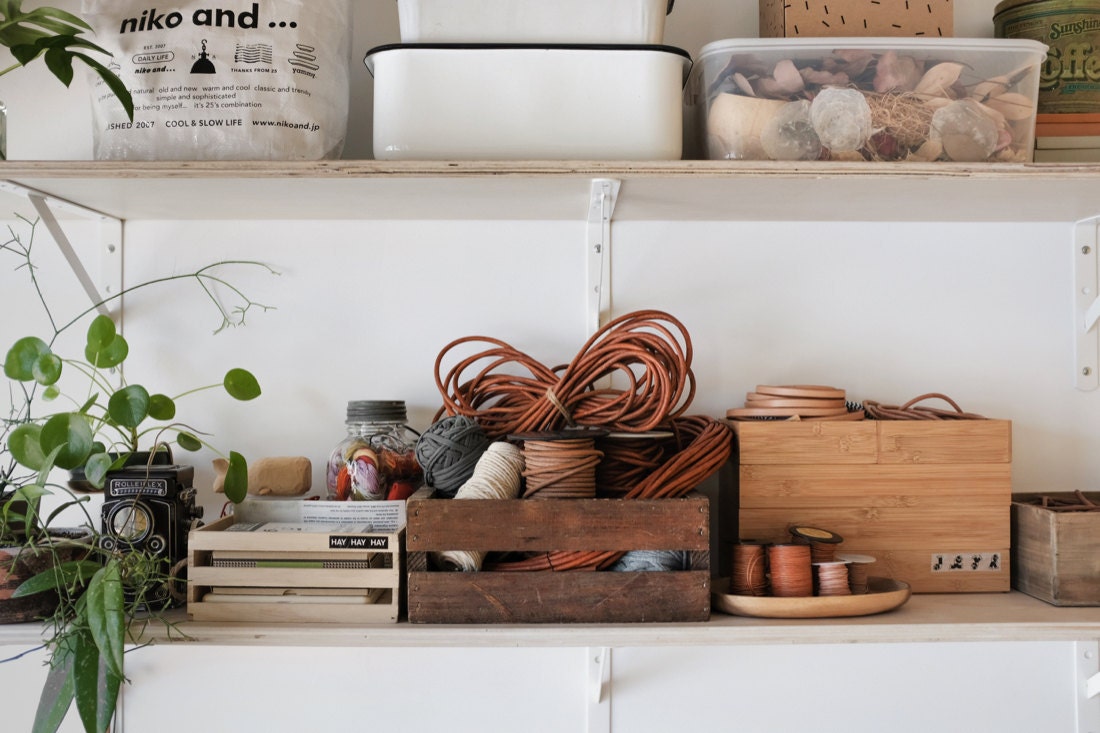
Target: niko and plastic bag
(223, 79)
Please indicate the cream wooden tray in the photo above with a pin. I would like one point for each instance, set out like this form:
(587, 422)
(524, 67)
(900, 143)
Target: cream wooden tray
(883, 594)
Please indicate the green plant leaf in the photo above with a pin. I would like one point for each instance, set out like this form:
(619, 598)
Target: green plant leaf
(161, 407)
(59, 60)
(57, 692)
(106, 614)
(241, 385)
(187, 441)
(236, 478)
(96, 688)
(47, 369)
(22, 356)
(96, 468)
(51, 393)
(25, 446)
(69, 573)
(101, 332)
(129, 406)
(108, 356)
(70, 432)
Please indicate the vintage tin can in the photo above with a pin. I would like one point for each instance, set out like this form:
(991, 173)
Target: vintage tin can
(1069, 81)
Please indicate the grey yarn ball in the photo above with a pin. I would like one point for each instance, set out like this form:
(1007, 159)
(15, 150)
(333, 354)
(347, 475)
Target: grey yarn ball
(448, 452)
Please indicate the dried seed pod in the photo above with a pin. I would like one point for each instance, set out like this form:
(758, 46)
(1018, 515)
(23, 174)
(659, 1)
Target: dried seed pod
(938, 81)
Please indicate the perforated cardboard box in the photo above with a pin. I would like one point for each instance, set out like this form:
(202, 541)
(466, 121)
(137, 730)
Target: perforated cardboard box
(819, 18)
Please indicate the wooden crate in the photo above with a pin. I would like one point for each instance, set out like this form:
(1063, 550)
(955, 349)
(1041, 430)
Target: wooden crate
(929, 499)
(1056, 555)
(299, 567)
(541, 525)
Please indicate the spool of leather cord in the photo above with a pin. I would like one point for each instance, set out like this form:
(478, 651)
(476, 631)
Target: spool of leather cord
(832, 579)
(560, 469)
(749, 574)
(790, 571)
(912, 411)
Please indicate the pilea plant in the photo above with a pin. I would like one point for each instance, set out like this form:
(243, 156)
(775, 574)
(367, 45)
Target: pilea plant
(100, 592)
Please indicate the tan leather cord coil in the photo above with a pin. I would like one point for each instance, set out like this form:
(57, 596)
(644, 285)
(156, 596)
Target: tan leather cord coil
(509, 392)
(912, 411)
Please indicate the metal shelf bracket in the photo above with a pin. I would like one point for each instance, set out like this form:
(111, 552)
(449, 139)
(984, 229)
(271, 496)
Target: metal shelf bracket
(599, 686)
(1087, 654)
(1086, 305)
(602, 198)
(108, 283)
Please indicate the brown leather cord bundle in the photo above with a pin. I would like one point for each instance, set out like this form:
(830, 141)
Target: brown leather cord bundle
(627, 460)
(644, 347)
(912, 411)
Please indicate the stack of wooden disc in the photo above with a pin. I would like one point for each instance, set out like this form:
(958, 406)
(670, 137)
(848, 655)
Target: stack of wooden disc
(795, 402)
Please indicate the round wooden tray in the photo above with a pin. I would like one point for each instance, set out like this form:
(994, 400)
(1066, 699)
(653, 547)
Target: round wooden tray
(883, 594)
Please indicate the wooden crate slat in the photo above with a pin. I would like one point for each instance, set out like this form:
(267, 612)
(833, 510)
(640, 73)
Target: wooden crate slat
(294, 577)
(548, 597)
(541, 525)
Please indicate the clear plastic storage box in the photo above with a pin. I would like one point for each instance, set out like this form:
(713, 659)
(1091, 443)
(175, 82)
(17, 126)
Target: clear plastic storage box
(533, 21)
(895, 99)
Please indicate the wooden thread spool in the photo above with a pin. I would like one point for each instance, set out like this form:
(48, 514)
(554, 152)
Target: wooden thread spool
(832, 579)
(749, 577)
(790, 571)
(560, 469)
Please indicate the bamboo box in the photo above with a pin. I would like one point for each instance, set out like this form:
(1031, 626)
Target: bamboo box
(929, 500)
(546, 525)
(1056, 555)
(322, 575)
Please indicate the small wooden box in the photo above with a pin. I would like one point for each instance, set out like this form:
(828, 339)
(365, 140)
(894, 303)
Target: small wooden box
(817, 18)
(542, 525)
(930, 500)
(1056, 555)
(305, 577)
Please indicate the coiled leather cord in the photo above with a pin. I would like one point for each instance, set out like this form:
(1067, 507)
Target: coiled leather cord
(912, 411)
(649, 348)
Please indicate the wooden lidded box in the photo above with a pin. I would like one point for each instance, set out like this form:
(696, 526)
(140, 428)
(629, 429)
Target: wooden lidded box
(317, 576)
(819, 18)
(546, 525)
(1056, 554)
(929, 499)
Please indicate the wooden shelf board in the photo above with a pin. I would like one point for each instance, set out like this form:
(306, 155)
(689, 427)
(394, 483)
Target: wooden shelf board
(559, 190)
(996, 617)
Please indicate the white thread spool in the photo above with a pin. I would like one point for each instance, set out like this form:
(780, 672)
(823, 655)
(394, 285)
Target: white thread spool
(498, 475)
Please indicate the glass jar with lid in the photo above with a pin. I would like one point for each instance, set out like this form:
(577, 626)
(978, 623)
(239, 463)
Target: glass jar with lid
(377, 458)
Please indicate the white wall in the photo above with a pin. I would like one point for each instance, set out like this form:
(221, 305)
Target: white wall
(979, 311)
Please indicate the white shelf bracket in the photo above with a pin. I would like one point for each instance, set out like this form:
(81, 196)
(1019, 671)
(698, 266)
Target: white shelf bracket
(602, 198)
(1087, 654)
(1086, 305)
(109, 280)
(599, 686)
